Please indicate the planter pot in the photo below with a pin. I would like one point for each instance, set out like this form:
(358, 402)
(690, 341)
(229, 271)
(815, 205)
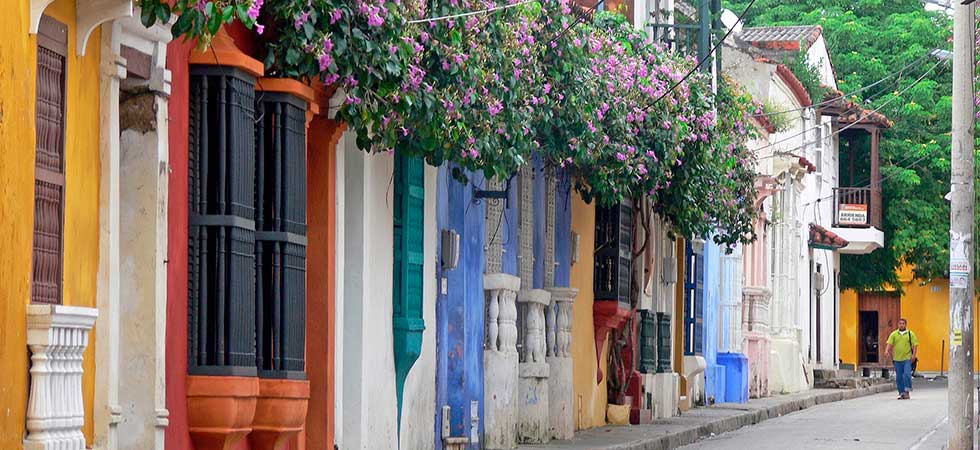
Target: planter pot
(280, 413)
(618, 414)
(220, 410)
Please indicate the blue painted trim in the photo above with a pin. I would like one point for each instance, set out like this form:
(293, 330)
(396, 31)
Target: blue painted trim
(540, 210)
(563, 230)
(712, 285)
(511, 241)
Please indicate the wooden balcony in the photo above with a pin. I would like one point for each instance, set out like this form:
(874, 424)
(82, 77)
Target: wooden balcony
(857, 207)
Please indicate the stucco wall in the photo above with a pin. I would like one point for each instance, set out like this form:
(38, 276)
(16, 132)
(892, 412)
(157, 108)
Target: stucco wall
(369, 415)
(81, 239)
(589, 397)
(927, 309)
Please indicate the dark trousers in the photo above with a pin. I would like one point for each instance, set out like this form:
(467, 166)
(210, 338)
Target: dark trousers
(903, 376)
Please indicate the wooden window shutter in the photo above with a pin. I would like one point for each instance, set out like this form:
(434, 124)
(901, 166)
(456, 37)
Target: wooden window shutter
(221, 241)
(280, 238)
(648, 342)
(613, 253)
(49, 167)
(409, 255)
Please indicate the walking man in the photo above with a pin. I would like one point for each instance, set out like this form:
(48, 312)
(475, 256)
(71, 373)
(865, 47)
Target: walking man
(903, 345)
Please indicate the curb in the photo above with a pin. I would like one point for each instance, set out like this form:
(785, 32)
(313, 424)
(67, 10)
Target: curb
(749, 417)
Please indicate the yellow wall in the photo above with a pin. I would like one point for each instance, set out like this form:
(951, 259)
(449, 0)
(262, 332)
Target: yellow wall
(927, 310)
(849, 327)
(18, 51)
(590, 396)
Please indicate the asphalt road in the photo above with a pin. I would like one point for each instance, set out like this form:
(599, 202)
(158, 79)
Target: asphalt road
(874, 422)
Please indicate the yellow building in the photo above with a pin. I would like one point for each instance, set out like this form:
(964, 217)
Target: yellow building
(60, 214)
(926, 306)
(79, 252)
(590, 396)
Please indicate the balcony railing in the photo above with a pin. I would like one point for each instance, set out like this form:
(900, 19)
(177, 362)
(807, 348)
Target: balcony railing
(680, 37)
(857, 207)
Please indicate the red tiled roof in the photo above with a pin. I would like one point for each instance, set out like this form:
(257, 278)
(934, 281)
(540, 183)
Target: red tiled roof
(848, 111)
(821, 237)
(764, 122)
(794, 84)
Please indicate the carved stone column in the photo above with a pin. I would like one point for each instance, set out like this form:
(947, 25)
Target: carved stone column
(533, 409)
(756, 339)
(57, 336)
(560, 392)
(500, 361)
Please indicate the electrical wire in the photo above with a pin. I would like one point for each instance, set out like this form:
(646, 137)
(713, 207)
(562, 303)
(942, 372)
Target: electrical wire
(469, 13)
(706, 57)
(900, 72)
(840, 130)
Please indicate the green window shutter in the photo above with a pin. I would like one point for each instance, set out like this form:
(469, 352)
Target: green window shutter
(409, 234)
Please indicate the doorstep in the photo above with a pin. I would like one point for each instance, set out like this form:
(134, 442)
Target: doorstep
(698, 423)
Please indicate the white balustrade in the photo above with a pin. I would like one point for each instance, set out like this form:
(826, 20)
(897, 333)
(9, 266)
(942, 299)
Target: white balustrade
(57, 336)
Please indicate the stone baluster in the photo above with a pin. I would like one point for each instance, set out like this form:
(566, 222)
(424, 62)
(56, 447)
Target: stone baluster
(561, 325)
(560, 392)
(57, 336)
(500, 361)
(501, 293)
(534, 333)
(551, 331)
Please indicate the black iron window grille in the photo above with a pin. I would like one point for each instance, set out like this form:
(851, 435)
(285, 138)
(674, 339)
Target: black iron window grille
(221, 241)
(613, 253)
(280, 238)
(247, 237)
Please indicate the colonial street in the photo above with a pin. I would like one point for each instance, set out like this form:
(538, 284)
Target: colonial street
(873, 422)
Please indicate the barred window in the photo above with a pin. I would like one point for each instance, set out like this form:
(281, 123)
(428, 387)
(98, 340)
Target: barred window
(49, 165)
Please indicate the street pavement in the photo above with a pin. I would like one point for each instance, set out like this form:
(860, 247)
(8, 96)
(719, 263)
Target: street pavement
(874, 422)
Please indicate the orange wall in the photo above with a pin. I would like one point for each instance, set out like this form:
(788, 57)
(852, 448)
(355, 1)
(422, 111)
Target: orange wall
(321, 280)
(81, 220)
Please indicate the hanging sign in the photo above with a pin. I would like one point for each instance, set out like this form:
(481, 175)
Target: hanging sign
(852, 214)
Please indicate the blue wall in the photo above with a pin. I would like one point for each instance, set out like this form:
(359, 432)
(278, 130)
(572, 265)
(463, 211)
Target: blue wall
(563, 230)
(714, 376)
(460, 312)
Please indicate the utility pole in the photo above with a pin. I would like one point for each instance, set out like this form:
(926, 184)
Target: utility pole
(962, 216)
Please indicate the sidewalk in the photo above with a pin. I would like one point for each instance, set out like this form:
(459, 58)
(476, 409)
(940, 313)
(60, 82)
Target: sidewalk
(702, 422)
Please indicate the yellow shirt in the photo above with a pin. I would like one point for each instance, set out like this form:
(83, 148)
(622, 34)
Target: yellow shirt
(902, 344)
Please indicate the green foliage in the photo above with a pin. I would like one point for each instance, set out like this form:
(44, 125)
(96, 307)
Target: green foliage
(777, 114)
(869, 40)
(489, 92)
(806, 71)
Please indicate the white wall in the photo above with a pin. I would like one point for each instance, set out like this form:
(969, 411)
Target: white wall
(368, 418)
(819, 56)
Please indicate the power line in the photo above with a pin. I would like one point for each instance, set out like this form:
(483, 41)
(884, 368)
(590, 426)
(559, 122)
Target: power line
(706, 57)
(866, 115)
(470, 13)
(850, 94)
